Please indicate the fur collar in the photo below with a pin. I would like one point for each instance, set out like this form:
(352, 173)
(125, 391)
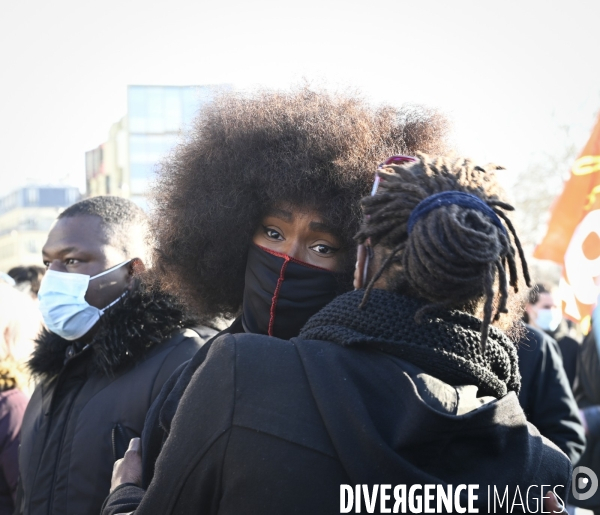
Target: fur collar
(141, 320)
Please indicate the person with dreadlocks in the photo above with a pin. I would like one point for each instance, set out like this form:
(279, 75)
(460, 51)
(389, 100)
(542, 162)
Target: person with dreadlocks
(406, 382)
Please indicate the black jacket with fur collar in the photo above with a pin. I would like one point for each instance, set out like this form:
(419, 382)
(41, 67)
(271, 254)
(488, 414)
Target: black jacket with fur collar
(91, 399)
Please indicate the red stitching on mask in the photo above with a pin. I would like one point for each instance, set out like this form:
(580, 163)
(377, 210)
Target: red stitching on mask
(293, 260)
(276, 294)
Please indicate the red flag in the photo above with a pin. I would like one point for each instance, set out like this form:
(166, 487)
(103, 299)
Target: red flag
(573, 235)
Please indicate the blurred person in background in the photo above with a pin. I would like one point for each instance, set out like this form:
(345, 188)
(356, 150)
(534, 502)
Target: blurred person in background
(112, 340)
(408, 382)
(28, 278)
(255, 213)
(543, 312)
(20, 322)
(546, 396)
(546, 393)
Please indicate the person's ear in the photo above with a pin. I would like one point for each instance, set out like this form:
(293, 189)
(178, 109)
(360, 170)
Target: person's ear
(361, 256)
(135, 268)
(531, 311)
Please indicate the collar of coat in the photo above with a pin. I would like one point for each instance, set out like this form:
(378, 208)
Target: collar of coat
(445, 343)
(140, 321)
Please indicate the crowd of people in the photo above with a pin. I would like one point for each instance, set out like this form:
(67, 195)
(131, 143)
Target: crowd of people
(325, 300)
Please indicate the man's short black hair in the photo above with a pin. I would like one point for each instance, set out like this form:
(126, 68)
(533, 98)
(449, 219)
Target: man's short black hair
(125, 222)
(535, 292)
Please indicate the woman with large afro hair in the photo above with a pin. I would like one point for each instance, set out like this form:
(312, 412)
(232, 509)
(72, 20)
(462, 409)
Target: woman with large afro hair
(255, 214)
(293, 159)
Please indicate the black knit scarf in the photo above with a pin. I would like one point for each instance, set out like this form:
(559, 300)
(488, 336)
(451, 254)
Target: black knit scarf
(446, 344)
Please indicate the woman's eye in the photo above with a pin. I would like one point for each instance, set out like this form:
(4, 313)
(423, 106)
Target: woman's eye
(273, 234)
(323, 249)
(71, 261)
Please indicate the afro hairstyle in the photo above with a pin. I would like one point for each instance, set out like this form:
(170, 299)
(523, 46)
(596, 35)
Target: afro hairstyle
(249, 153)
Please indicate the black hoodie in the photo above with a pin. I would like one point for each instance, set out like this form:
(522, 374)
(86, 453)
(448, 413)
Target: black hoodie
(270, 426)
(90, 400)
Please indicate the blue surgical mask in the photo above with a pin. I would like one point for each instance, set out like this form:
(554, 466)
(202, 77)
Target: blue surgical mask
(63, 305)
(548, 319)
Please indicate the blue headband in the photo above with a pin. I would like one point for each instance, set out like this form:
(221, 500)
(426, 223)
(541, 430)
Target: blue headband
(458, 198)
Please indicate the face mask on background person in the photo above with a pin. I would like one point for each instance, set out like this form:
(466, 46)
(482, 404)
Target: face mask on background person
(63, 305)
(548, 319)
(281, 293)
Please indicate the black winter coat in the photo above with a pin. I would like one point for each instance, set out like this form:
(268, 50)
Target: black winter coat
(91, 400)
(569, 350)
(12, 407)
(546, 395)
(270, 426)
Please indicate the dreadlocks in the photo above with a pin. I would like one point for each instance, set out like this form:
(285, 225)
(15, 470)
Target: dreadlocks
(452, 256)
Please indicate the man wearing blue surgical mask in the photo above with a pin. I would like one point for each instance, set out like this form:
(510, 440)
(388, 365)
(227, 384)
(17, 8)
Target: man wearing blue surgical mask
(543, 312)
(546, 396)
(111, 341)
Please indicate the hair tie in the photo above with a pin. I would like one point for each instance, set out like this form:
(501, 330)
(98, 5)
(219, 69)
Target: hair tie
(458, 198)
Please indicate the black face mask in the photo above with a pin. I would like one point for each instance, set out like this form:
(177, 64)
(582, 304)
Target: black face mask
(282, 293)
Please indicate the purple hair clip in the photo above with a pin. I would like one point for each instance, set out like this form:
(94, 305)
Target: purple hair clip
(394, 160)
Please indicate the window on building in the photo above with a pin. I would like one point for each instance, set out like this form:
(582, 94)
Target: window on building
(136, 108)
(33, 196)
(173, 109)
